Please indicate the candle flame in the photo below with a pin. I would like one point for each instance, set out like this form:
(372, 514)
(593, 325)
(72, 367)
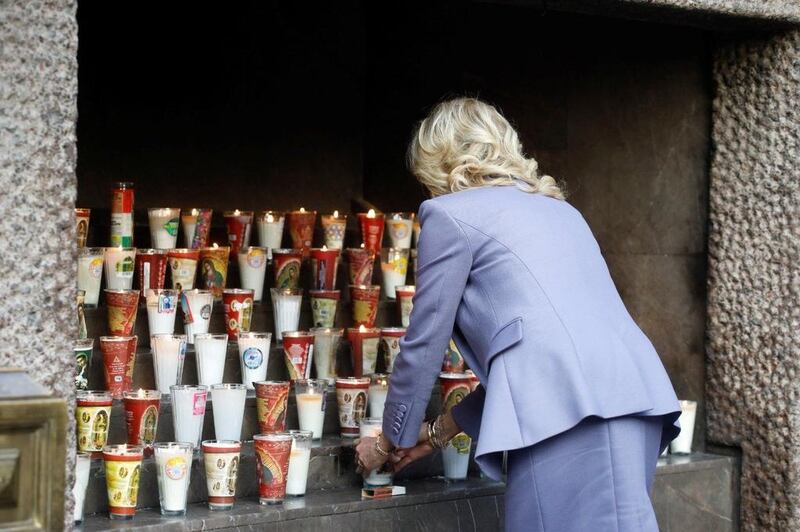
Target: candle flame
(362, 245)
(335, 214)
(362, 329)
(270, 218)
(371, 213)
(236, 212)
(214, 245)
(324, 247)
(302, 209)
(195, 212)
(140, 393)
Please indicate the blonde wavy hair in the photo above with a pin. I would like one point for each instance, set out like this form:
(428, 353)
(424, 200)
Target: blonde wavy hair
(465, 143)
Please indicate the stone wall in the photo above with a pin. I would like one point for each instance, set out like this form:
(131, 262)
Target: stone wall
(38, 90)
(754, 283)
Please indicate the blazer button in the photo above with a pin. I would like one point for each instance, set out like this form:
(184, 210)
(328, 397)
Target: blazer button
(403, 408)
(396, 431)
(396, 426)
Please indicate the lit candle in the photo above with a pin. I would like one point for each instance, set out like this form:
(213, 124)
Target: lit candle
(324, 263)
(372, 230)
(364, 348)
(334, 227)
(141, 416)
(239, 224)
(301, 229)
(270, 230)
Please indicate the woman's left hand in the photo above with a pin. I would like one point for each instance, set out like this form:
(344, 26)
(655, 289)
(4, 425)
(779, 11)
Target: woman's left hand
(367, 457)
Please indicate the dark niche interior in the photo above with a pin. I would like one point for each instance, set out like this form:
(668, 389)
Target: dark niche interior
(274, 105)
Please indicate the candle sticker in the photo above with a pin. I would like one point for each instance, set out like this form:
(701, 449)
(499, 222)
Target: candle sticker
(252, 358)
(176, 467)
(199, 403)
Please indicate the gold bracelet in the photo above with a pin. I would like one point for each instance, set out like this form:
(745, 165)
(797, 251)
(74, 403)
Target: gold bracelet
(378, 447)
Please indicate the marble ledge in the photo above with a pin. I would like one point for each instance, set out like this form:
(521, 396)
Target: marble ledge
(319, 504)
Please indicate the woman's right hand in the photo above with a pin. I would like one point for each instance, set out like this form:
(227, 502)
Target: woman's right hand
(400, 458)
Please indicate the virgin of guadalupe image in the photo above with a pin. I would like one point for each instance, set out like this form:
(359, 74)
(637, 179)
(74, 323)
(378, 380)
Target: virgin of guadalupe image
(359, 407)
(100, 429)
(233, 469)
(149, 424)
(211, 276)
(133, 487)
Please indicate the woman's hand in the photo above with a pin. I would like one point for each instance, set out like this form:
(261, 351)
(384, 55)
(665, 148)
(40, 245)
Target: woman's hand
(400, 458)
(367, 457)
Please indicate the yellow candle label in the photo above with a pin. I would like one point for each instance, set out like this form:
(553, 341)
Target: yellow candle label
(122, 482)
(92, 427)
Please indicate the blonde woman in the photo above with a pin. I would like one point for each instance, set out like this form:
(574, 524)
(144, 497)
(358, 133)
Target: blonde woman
(571, 387)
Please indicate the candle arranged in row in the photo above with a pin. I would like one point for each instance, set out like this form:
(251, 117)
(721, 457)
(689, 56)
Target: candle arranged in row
(207, 268)
(165, 223)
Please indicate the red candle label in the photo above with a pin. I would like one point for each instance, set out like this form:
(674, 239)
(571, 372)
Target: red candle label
(272, 459)
(122, 307)
(238, 312)
(323, 268)
(118, 359)
(372, 231)
(151, 270)
(271, 401)
(239, 226)
(183, 268)
(141, 418)
(360, 264)
(365, 305)
(287, 269)
(297, 350)
(301, 229)
(454, 390)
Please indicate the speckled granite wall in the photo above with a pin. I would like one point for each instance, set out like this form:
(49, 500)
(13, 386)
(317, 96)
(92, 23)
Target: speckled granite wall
(38, 90)
(754, 282)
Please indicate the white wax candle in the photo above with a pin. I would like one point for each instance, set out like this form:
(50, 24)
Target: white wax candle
(227, 404)
(200, 305)
(188, 412)
(174, 465)
(377, 399)
(119, 266)
(400, 231)
(90, 273)
(455, 457)
(287, 313)
(161, 311)
(325, 354)
(683, 443)
(253, 358)
(270, 233)
(82, 465)
(375, 478)
(164, 227)
(252, 269)
(210, 352)
(168, 356)
(297, 477)
(311, 413)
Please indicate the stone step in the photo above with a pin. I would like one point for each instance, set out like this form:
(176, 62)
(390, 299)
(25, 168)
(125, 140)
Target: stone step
(694, 493)
(430, 504)
(332, 467)
(263, 318)
(331, 456)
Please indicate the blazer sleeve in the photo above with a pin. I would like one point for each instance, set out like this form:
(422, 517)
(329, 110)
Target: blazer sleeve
(444, 262)
(468, 413)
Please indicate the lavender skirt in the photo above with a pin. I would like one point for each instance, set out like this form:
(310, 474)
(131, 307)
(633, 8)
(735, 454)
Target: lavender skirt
(594, 477)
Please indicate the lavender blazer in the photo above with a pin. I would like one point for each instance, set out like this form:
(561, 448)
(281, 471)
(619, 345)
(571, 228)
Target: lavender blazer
(518, 280)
